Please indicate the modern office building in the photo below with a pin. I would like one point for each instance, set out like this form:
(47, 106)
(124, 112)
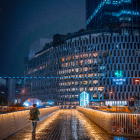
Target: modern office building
(7, 91)
(104, 64)
(122, 15)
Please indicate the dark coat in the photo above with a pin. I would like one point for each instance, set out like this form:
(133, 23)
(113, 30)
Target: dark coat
(32, 111)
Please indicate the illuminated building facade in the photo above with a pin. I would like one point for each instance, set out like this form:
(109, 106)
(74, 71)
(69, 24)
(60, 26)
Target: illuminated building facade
(122, 15)
(103, 66)
(84, 99)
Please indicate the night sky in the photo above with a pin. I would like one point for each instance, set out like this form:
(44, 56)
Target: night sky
(24, 21)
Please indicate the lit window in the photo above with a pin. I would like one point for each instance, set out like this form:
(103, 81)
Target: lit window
(72, 89)
(76, 83)
(73, 76)
(95, 61)
(90, 75)
(81, 89)
(77, 70)
(102, 67)
(64, 64)
(72, 56)
(85, 55)
(85, 69)
(80, 55)
(66, 77)
(63, 59)
(81, 75)
(95, 95)
(81, 70)
(100, 74)
(95, 54)
(90, 61)
(72, 83)
(95, 89)
(85, 82)
(43, 66)
(81, 62)
(95, 82)
(77, 56)
(89, 55)
(72, 63)
(100, 88)
(90, 82)
(63, 71)
(69, 83)
(69, 70)
(90, 89)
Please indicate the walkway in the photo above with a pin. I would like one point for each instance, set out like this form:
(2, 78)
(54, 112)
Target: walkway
(65, 125)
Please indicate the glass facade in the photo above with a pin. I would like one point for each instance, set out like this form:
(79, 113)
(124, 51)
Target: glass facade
(92, 64)
(84, 99)
(121, 15)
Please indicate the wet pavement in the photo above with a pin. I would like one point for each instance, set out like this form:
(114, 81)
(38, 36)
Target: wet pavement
(66, 124)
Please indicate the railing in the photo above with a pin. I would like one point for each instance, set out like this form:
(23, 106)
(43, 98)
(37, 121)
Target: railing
(125, 124)
(67, 107)
(15, 121)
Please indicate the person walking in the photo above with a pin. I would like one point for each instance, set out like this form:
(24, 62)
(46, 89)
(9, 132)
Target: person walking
(34, 112)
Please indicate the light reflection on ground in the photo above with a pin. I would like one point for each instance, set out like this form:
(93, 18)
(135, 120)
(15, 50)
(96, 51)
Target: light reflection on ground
(66, 124)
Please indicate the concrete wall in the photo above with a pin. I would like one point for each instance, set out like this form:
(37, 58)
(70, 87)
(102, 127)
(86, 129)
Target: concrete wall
(12, 122)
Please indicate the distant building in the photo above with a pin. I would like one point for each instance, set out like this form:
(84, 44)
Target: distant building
(122, 15)
(19, 89)
(3, 92)
(7, 90)
(37, 46)
(103, 63)
(11, 90)
(104, 66)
